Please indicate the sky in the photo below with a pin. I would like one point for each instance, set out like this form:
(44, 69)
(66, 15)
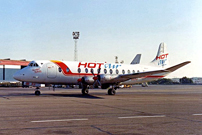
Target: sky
(42, 29)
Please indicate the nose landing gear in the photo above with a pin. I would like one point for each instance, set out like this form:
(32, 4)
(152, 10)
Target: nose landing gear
(37, 92)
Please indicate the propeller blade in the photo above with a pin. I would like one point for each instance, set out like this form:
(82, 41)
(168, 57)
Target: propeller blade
(96, 78)
(94, 84)
(99, 82)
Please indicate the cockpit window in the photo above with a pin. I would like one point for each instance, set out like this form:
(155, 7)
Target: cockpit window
(36, 65)
(33, 64)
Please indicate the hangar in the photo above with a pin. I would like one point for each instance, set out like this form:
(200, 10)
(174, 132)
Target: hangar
(9, 67)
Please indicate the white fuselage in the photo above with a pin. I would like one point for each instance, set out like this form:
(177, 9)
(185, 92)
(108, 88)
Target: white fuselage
(69, 72)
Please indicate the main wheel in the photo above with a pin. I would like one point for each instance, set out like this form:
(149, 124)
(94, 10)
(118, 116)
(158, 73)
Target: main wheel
(111, 91)
(37, 93)
(85, 91)
(145, 84)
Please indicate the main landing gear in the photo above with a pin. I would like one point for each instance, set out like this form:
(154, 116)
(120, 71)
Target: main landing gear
(112, 91)
(145, 84)
(37, 92)
(85, 89)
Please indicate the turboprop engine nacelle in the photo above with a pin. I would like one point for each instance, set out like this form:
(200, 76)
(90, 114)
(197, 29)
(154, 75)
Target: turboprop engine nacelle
(88, 80)
(107, 78)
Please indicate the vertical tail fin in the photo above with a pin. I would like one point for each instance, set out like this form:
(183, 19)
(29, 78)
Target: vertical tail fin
(161, 59)
(136, 60)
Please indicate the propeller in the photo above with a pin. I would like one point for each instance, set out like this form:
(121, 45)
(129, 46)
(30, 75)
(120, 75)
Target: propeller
(96, 78)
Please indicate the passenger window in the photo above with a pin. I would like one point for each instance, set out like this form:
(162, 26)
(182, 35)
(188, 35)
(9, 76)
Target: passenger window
(67, 70)
(79, 70)
(128, 71)
(105, 71)
(123, 71)
(117, 71)
(111, 71)
(91, 70)
(133, 71)
(59, 69)
(86, 70)
(98, 70)
(138, 71)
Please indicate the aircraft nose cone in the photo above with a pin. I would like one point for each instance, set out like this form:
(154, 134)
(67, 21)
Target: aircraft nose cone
(17, 76)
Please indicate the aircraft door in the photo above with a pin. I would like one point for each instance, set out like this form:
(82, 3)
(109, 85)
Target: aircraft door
(51, 70)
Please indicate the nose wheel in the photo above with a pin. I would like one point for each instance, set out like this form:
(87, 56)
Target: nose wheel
(37, 92)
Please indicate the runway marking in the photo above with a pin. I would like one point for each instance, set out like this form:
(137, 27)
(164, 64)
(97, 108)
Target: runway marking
(134, 117)
(59, 120)
(197, 114)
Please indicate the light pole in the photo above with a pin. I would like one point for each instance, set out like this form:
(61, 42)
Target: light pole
(75, 37)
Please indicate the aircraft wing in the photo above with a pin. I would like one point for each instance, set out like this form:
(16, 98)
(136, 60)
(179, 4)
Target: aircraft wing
(142, 74)
(173, 68)
(125, 77)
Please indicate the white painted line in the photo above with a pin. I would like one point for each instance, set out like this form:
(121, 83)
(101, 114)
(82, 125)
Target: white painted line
(134, 117)
(196, 114)
(59, 120)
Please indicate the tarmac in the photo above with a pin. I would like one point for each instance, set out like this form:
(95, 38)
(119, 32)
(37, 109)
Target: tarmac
(153, 110)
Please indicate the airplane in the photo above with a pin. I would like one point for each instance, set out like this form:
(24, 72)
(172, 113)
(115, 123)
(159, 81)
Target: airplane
(106, 75)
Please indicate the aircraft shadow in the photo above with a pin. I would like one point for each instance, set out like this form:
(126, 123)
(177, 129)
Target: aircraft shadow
(76, 95)
(57, 95)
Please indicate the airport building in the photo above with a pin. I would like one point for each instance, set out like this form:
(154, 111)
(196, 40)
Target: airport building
(9, 67)
(197, 80)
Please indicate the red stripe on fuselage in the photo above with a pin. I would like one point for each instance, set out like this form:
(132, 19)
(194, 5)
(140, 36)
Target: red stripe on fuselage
(64, 67)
